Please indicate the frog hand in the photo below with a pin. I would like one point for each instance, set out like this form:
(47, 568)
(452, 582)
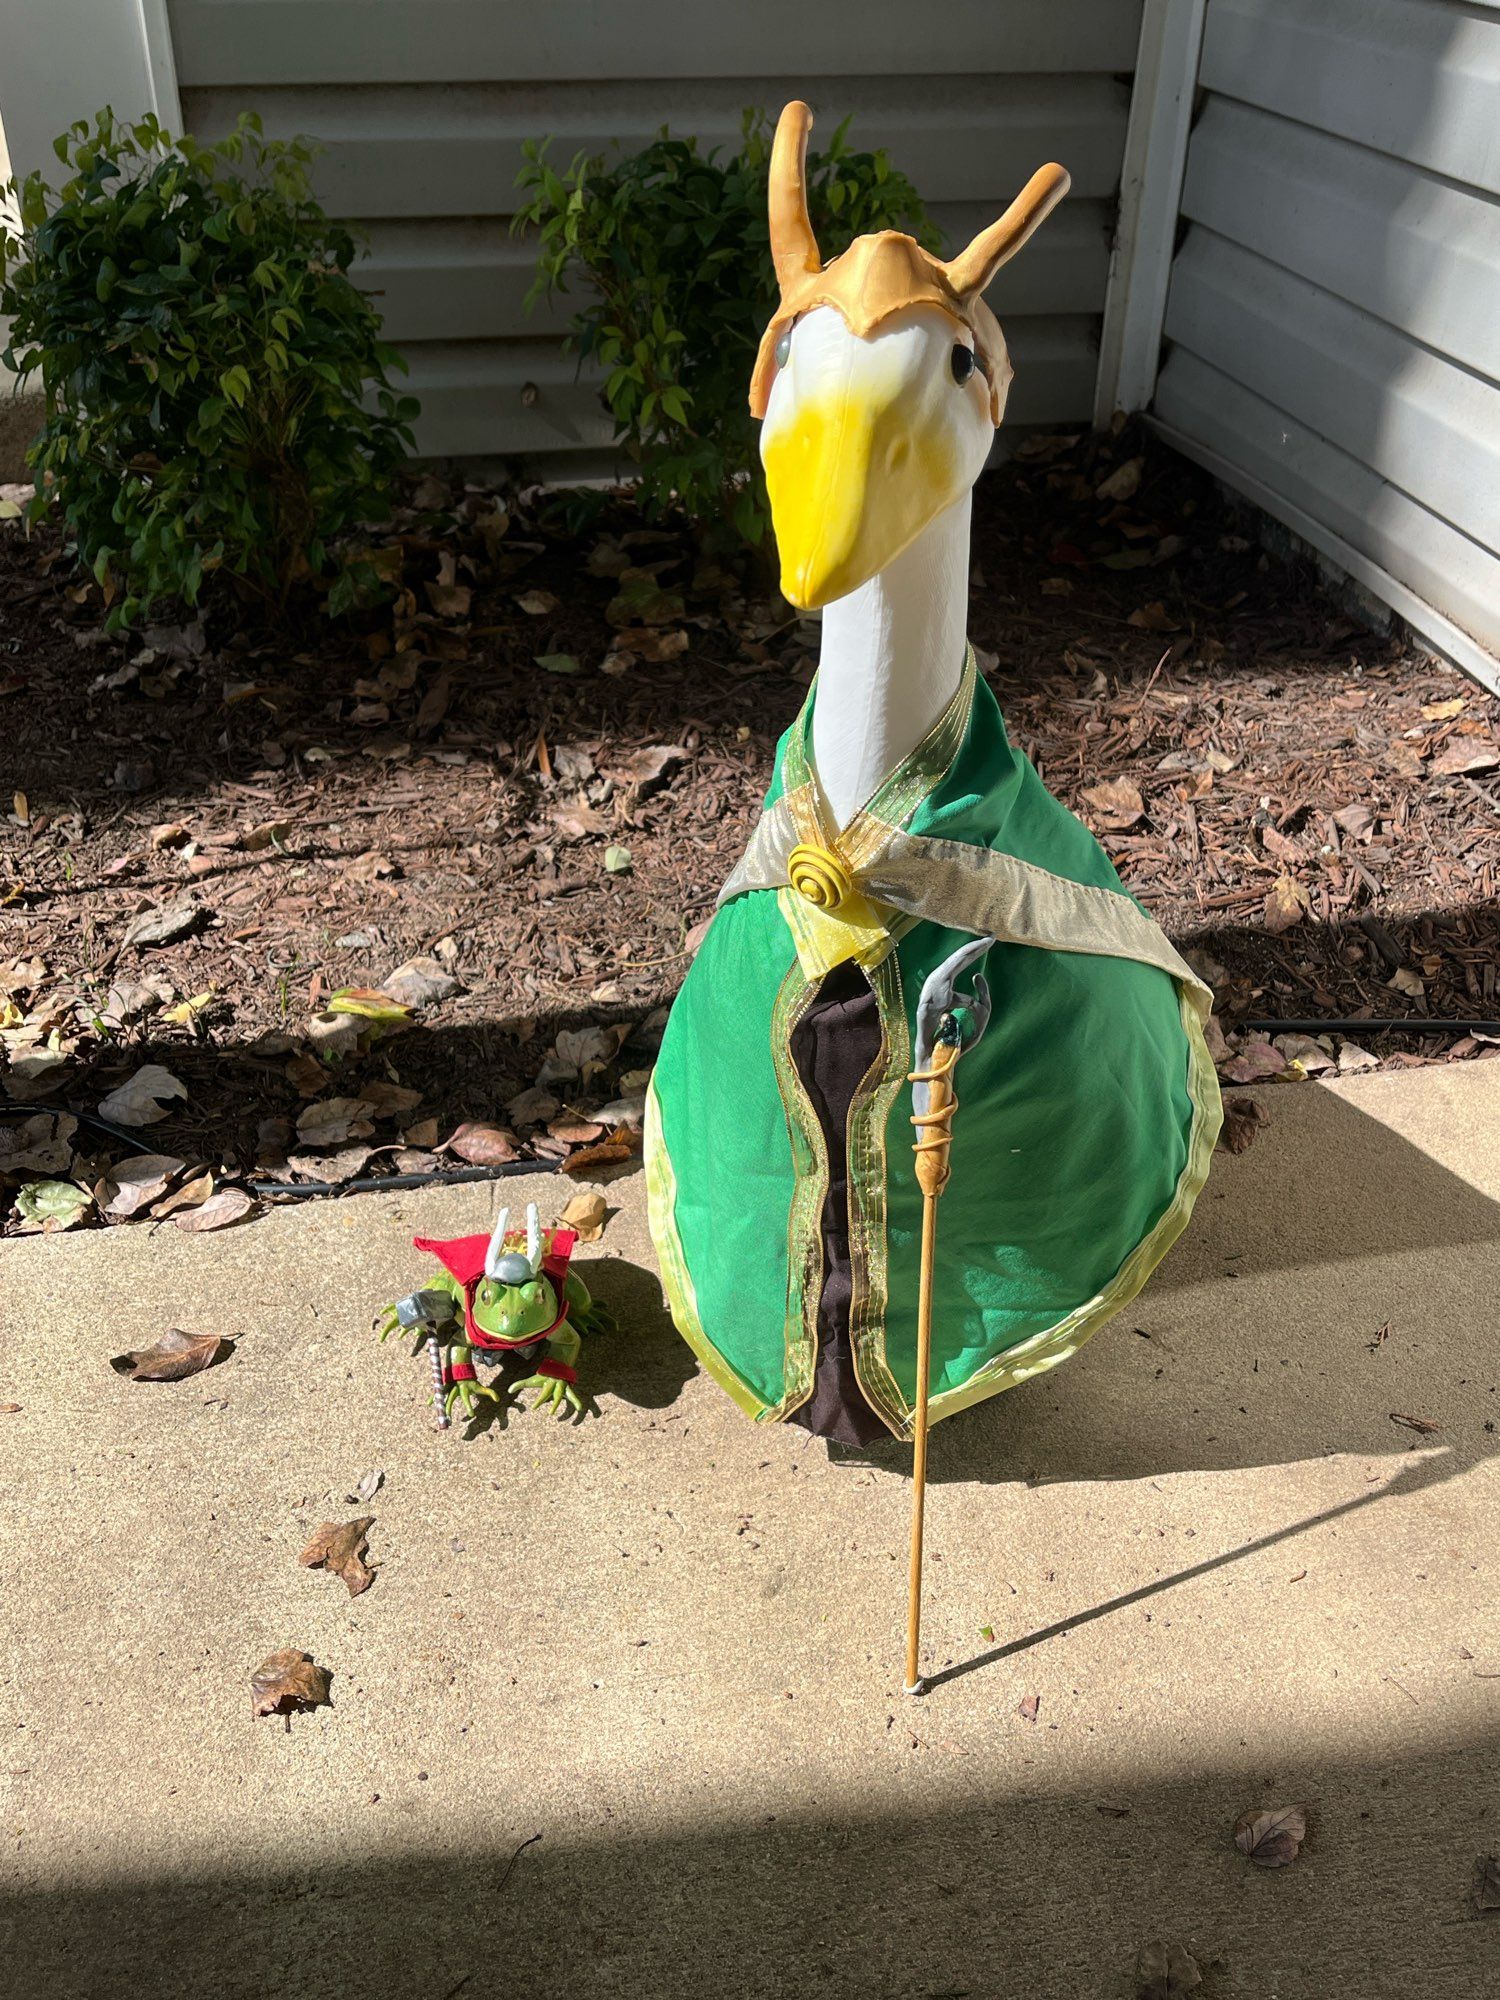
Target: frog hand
(462, 1387)
(422, 1314)
(556, 1375)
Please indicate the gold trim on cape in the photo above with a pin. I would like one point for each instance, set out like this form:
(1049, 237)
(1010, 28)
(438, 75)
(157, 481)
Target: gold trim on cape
(1044, 1350)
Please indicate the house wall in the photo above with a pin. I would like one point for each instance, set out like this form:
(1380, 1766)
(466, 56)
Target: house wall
(1332, 319)
(422, 106)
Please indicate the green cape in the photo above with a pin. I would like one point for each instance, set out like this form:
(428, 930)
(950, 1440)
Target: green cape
(1088, 1110)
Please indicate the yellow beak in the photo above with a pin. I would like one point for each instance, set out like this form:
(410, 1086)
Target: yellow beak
(854, 476)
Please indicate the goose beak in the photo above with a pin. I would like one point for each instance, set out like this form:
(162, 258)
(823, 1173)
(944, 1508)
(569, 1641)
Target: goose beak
(860, 455)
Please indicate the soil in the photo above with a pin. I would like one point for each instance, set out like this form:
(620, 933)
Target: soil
(534, 768)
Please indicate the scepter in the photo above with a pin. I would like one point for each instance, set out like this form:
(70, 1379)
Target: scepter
(947, 1024)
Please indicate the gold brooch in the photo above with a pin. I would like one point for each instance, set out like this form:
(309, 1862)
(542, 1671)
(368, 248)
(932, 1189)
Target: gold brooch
(818, 875)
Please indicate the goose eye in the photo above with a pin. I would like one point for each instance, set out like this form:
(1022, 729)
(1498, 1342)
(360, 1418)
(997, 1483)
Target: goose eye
(961, 362)
(784, 348)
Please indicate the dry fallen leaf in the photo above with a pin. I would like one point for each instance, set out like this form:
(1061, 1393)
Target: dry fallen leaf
(218, 1212)
(532, 1107)
(483, 1145)
(1117, 802)
(143, 1098)
(1124, 482)
(647, 766)
(1254, 1063)
(1153, 617)
(161, 925)
(1271, 1839)
(1243, 1118)
(389, 1100)
(605, 1161)
(579, 822)
(134, 1183)
(421, 982)
(270, 832)
(586, 1213)
(1357, 821)
(588, 1050)
(1461, 757)
(572, 1128)
(1029, 1707)
(1307, 1050)
(1285, 905)
(331, 1120)
(288, 1681)
(175, 1356)
(449, 599)
(1166, 1971)
(41, 1144)
(333, 1168)
(340, 1547)
(1487, 1882)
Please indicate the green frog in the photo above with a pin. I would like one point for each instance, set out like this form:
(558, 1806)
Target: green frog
(500, 1295)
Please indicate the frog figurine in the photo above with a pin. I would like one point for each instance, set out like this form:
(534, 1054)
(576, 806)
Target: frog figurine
(496, 1298)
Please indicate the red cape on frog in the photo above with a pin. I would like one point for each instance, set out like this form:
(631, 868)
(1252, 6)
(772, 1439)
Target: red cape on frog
(463, 1258)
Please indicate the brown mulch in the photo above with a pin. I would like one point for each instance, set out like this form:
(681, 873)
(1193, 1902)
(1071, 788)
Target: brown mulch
(1308, 807)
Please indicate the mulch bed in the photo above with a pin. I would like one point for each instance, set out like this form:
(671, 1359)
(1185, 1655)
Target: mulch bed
(1307, 807)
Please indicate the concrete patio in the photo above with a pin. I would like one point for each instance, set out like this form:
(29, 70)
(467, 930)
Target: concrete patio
(668, 1642)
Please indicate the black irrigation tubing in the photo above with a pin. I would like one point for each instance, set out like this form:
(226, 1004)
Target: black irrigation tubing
(1405, 1024)
(373, 1183)
(390, 1183)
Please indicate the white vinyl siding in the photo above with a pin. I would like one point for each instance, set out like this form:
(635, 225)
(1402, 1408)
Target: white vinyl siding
(1331, 326)
(422, 106)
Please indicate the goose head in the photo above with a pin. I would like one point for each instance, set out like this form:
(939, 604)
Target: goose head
(880, 380)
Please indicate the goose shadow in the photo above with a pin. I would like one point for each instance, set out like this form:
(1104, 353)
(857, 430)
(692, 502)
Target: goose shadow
(1332, 1294)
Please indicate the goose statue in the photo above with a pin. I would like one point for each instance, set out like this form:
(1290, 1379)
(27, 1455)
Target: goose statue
(904, 840)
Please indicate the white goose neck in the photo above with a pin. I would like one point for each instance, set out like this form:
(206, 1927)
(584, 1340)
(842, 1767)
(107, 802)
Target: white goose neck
(891, 660)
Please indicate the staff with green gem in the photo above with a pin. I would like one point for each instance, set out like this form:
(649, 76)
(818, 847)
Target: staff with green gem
(947, 1024)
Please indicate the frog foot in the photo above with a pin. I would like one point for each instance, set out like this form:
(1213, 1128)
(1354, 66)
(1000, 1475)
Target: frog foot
(554, 1382)
(466, 1392)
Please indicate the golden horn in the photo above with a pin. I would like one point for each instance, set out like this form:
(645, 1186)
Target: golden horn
(972, 269)
(794, 248)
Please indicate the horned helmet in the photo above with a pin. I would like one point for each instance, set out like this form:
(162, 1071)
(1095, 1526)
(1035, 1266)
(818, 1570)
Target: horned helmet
(514, 1298)
(880, 379)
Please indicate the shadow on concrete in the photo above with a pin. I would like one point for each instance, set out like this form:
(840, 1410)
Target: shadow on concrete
(1370, 1230)
(642, 1361)
(1430, 1470)
(1024, 1892)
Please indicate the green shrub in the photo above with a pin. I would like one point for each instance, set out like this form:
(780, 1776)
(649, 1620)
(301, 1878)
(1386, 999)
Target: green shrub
(676, 247)
(205, 359)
